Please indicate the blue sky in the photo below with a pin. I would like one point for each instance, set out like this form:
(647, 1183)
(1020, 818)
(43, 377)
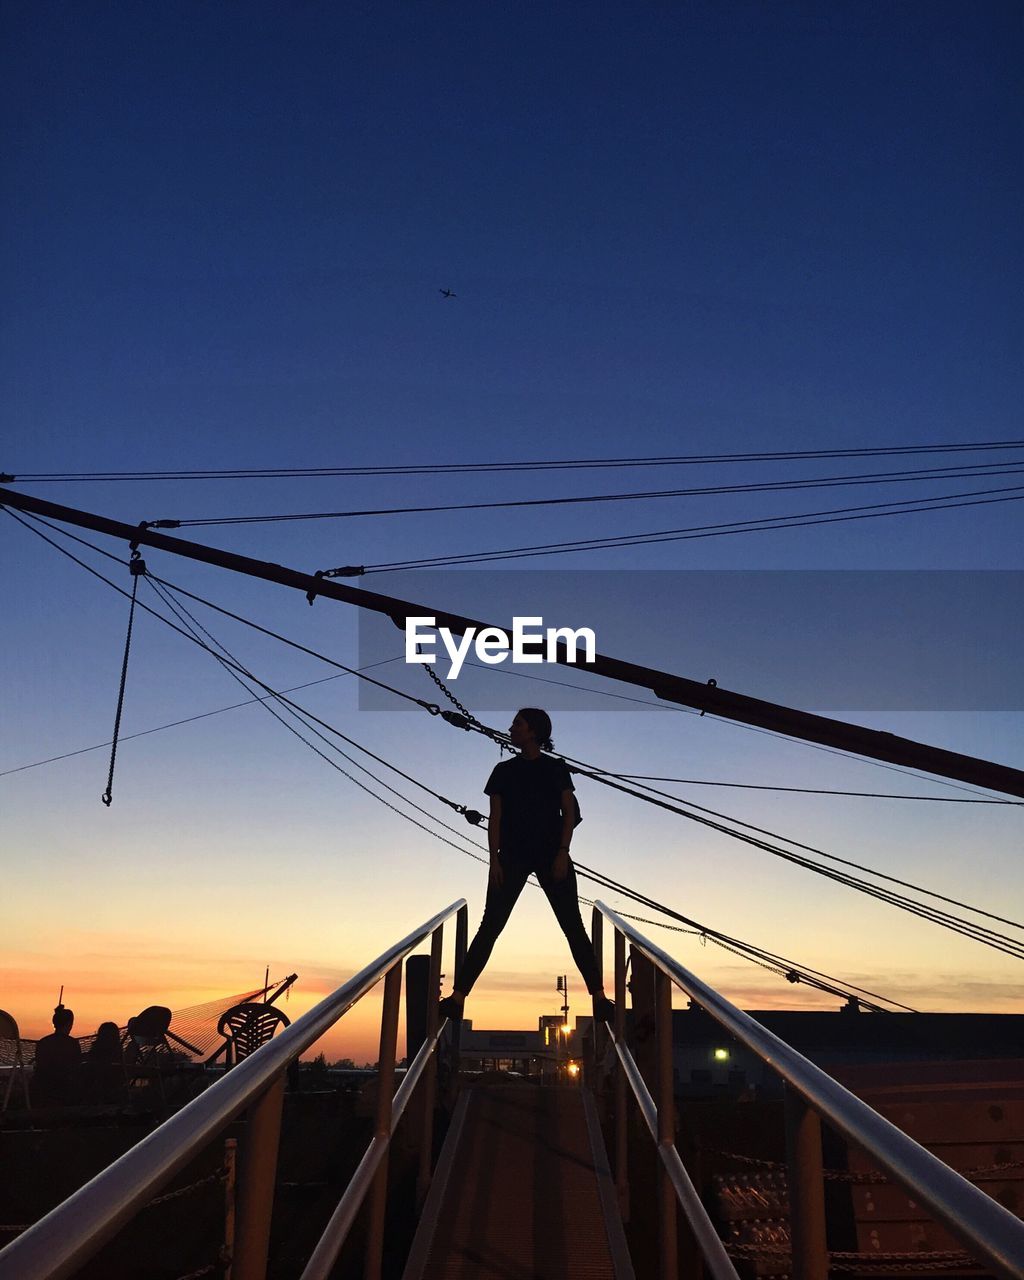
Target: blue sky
(698, 229)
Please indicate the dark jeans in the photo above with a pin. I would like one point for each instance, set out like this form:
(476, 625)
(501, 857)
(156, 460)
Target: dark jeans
(498, 907)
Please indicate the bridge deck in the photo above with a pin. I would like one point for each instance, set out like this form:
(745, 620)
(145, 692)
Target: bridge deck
(522, 1192)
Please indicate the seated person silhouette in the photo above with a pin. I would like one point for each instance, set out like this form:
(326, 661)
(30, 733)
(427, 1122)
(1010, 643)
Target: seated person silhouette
(56, 1076)
(104, 1065)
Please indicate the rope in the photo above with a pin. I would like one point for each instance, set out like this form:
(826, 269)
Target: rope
(137, 567)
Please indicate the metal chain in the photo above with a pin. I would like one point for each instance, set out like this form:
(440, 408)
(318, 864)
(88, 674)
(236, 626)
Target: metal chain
(756, 1250)
(219, 1176)
(203, 1271)
(472, 721)
(936, 1259)
(869, 1177)
(448, 693)
(900, 1268)
(928, 1255)
(739, 1159)
(982, 1169)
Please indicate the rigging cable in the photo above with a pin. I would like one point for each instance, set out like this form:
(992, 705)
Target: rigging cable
(832, 857)
(811, 791)
(429, 707)
(975, 798)
(965, 928)
(763, 524)
(173, 724)
(520, 675)
(896, 900)
(845, 754)
(730, 944)
(945, 919)
(233, 667)
(724, 939)
(677, 709)
(806, 974)
(972, 471)
(137, 567)
(789, 455)
(803, 973)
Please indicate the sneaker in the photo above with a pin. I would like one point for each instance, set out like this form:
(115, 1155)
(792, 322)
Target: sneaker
(604, 1010)
(450, 1008)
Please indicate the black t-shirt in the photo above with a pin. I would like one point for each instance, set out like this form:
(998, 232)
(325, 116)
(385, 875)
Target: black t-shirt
(531, 804)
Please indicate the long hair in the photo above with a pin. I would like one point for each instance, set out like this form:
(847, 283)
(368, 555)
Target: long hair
(540, 726)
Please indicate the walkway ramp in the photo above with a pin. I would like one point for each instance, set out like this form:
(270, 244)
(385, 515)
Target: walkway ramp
(522, 1191)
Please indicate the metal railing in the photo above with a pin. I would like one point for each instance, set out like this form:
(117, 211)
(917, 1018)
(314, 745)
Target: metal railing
(989, 1232)
(75, 1230)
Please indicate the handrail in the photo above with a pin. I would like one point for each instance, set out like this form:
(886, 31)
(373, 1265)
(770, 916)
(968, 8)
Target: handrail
(322, 1259)
(62, 1241)
(718, 1262)
(989, 1231)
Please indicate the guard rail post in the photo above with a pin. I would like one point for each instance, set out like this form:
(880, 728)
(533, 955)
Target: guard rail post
(430, 1083)
(647, 1170)
(259, 1174)
(230, 1165)
(382, 1135)
(806, 1189)
(461, 947)
(667, 1241)
(597, 942)
(621, 1133)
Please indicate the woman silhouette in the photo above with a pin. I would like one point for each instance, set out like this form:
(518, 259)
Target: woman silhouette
(533, 814)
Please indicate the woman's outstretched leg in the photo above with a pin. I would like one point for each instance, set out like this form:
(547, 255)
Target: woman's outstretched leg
(501, 898)
(565, 903)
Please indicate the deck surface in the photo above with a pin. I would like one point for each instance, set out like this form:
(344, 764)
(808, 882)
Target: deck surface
(520, 1197)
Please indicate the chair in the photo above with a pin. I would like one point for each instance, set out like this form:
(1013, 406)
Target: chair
(9, 1031)
(148, 1054)
(245, 1028)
